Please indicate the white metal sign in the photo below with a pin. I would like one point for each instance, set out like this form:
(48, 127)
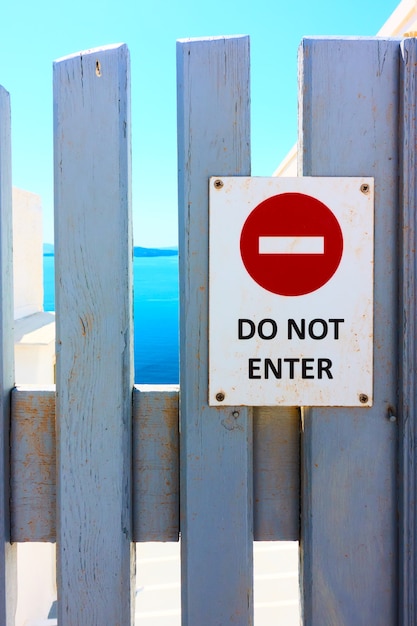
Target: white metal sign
(291, 291)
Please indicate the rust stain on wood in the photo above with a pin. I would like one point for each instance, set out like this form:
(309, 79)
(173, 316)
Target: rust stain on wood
(156, 464)
(33, 466)
(155, 467)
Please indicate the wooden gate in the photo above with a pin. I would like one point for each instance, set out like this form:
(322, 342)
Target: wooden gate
(126, 463)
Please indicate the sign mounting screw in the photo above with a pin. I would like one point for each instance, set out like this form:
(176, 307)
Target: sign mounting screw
(220, 396)
(365, 188)
(363, 398)
(218, 184)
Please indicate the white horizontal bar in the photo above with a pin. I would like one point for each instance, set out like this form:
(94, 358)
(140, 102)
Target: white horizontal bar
(278, 603)
(162, 586)
(275, 576)
(277, 546)
(291, 245)
(142, 615)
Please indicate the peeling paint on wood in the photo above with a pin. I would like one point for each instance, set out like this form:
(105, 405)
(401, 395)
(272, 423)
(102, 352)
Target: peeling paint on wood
(407, 339)
(276, 480)
(155, 464)
(33, 461)
(155, 480)
(216, 460)
(349, 457)
(94, 326)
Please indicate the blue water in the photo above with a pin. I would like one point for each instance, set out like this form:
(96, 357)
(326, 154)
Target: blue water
(155, 316)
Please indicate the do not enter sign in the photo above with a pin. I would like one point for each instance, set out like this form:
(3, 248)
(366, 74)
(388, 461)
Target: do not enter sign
(291, 291)
(291, 244)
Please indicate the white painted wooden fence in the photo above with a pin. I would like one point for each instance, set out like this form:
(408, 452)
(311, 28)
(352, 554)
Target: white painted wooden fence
(100, 464)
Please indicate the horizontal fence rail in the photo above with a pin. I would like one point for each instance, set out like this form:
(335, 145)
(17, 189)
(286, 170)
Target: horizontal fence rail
(155, 467)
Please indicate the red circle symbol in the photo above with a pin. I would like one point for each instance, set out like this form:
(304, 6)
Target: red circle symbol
(291, 244)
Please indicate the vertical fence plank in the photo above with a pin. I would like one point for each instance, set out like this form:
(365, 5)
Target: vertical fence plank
(8, 580)
(94, 337)
(216, 456)
(349, 120)
(408, 325)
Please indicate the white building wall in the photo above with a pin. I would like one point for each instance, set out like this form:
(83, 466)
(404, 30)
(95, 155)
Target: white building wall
(27, 253)
(402, 22)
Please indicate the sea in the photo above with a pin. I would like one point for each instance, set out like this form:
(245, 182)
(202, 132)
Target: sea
(155, 293)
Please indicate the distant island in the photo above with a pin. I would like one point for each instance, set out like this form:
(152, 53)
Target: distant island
(138, 251)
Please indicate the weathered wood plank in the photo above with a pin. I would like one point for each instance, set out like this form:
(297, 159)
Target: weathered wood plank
(8, 563)
(93, 265)
(276, 476)
(407, 338)
(155, 463)
(155, 467)
(216, 446)
(33, 463)
(349, 127)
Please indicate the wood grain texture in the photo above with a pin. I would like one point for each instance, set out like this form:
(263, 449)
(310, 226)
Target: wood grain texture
(216, 447)
(349, 127)
(155, 467)
(276, 475)
(155, 463)
(93, 265)
(408, 325)
(8, 563)
(33, 463)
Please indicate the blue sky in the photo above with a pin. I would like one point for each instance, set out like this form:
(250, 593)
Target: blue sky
(34, 34)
